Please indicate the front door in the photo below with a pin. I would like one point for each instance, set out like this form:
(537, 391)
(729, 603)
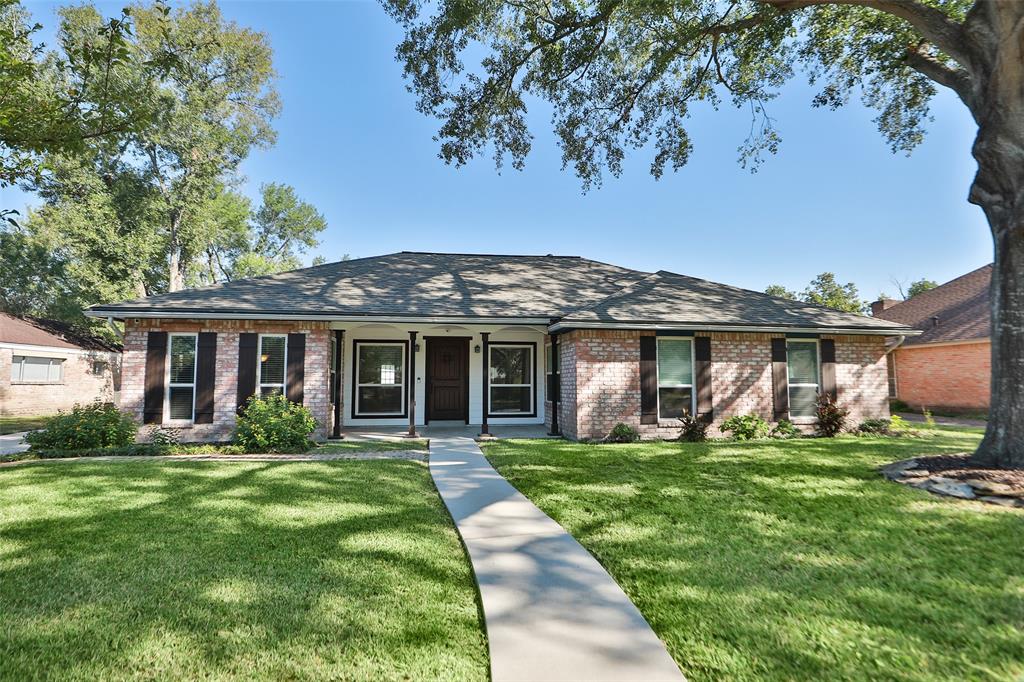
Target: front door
(447, 380)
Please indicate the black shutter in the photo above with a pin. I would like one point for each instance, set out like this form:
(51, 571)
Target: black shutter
(828, 368)
(648, 380)
(156, 368)
(780, 379)
(702, 367)
(206, 374)
(247, 344)
(296, 367)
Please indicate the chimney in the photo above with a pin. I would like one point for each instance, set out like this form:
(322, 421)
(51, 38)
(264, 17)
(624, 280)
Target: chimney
(882, 304)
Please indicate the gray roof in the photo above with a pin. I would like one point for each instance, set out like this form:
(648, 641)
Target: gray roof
(414, 284)
(958, 310)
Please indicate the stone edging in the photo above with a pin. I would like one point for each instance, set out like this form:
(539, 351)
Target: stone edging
(907, 472)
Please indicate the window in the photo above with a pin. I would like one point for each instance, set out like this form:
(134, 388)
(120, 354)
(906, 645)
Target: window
(511, 379)
(29, 370)
(181, 377)
(272, 358)
(802, 362)
(99, 367)
(380, 379)
(675, 377)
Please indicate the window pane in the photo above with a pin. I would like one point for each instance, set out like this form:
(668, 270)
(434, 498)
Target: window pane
(803, 362)
(180, 402)
(801, 401)
(548, 360)
(36, 369)
(16, 363)
(380, 365)
(510, 399)
(272, 360)
(56, 371)
(380, 400)
(674, 362)
(270, 390)
(183, 359)
(510, 365)
(673, 403)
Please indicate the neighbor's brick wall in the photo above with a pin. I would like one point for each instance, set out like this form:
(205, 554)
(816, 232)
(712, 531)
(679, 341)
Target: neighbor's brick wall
(315, 383)
(601, 380)
(80, 385)
(953, 376)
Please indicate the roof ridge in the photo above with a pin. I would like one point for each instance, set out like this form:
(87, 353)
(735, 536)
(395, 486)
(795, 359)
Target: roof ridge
(488, 255)
(924, 296)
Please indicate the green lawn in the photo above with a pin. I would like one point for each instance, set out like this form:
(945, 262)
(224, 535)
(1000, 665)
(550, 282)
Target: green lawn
(18, 424)
(793, 560)
(315, 570)
(343, 446)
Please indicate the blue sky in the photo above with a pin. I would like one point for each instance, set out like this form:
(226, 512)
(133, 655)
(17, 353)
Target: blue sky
(835, 198)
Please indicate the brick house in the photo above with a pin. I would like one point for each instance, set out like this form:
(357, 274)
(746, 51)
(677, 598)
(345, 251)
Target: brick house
(425, 338)
(948, 365)
(46, 366)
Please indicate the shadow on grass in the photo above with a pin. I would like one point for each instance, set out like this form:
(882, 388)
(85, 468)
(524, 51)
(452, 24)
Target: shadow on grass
(792, 559)
(333, 569)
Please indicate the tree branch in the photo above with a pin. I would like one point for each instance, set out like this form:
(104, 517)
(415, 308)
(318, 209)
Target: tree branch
(933, 24)
(956, 79)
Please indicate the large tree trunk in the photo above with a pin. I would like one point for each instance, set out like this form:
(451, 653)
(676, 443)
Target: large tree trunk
(999, 189)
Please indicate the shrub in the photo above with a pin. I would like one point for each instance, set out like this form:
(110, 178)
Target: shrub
(695, 429)
(929, 420)
(164, 438)
(898, 423)
(273, 424)
(879, 427)
(745, 427)
(897, 405)
(96, 425)
(831, 416)
(623, 433)
(785, 429)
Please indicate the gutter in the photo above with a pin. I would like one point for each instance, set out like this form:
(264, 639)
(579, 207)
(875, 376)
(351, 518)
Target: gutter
(889, 348)
(307, 317)
(566, 326)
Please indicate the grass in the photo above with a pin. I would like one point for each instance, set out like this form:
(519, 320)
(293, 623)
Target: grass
(343, 446)
(18, 424)
(792, 559)
(315, 570)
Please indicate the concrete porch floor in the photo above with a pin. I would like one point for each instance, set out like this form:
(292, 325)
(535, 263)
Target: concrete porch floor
(370, 433)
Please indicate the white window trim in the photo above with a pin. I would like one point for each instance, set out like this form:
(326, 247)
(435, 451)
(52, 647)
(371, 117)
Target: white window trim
(259, 365)
(21, 381)
(359, 345)
(532, 374)
(657, 372)
(817, 387)
(167, 379)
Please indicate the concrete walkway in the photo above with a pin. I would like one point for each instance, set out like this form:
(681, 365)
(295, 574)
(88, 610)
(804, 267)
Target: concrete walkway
(551, 611)
(12, 443)
(944, 421)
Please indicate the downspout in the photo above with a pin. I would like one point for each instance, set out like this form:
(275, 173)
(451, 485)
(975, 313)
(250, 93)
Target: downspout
(888, 351)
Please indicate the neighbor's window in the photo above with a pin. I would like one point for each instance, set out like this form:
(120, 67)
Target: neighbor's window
(181, 377)
(31, 370)
(99, 367)
(380, 379)
(511, 378)
(272, 359)
(802, 360)
(675, 377)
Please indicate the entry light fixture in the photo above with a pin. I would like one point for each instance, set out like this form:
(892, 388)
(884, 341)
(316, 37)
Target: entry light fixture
(476, 348)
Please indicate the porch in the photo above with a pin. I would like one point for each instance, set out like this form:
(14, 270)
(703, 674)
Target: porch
(440, 430)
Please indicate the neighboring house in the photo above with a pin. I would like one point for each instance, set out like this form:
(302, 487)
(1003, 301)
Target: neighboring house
(46, 366)
(949, 364)
(429, 337)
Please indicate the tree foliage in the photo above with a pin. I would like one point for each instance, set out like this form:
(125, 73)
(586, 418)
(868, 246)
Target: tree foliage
(781, 292)
(920, 286)
(824, 290)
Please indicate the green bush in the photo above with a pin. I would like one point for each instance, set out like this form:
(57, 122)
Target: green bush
(785, 429)
(695, 429)
(623, 433)
(880, 427)
(273, 424)
(831, 416)
(897, 405)
(745, 427)
(96, 425)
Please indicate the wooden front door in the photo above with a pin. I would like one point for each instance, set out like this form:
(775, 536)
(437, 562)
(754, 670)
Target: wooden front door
(447, 378)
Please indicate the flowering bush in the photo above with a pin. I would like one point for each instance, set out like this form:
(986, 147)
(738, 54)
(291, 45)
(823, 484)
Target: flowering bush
(273, 424)
(96, 425)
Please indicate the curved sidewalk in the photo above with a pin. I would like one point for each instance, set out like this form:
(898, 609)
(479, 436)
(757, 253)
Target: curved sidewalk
(551, 611)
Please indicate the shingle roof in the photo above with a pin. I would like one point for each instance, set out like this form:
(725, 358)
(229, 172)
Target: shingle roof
(956, 311)
(415, 284)
(54, 333)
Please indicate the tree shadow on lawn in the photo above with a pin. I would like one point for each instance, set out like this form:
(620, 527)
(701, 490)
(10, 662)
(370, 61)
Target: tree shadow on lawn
(343, 569)
(793, 559)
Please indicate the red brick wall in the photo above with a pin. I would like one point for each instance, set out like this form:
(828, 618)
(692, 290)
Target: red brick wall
(947, 376)
(315, 382)
(601, 380)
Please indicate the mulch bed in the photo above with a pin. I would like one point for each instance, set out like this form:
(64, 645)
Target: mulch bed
(960, 467)
(956, 476)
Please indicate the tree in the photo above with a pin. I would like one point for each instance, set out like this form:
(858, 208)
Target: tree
(920, 286)
(825, 290)
(781, 292)
(620, 74)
